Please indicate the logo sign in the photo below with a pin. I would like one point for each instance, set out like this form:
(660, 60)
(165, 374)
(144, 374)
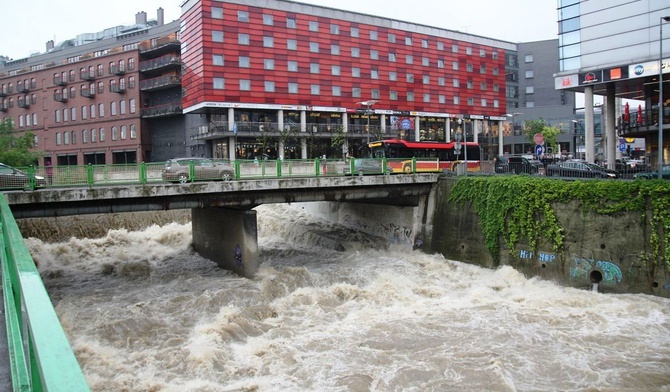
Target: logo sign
(592, 77)
(615, 73)
(562, 82)
(539, 150)
(538, 138)
(406, 124)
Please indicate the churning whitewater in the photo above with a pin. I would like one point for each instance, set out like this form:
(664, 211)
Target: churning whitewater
(332, 309)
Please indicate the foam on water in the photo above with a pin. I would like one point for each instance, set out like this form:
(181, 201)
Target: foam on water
(337, 310)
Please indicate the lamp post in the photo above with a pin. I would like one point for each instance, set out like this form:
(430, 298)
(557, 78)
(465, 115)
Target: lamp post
(660, 94)
(575, 136)
(368, 103)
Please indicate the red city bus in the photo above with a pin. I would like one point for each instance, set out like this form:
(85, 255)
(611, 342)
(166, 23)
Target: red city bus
(430, 156)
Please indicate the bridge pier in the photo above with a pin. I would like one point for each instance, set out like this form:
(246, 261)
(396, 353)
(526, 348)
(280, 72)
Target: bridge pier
(228, 237)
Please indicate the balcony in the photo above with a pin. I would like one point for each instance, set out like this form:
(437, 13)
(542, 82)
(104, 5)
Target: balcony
(60, 81)
(161, 63)
(640, 122)
(3, 107)
(87, 76)
(87, 93)
(22, 89)
(117, 89)
(170, 109)
(169, 43)
(23, 103)
(58, 97)
(5, 91)
(117, 70)
(160, 83)
(3, 94)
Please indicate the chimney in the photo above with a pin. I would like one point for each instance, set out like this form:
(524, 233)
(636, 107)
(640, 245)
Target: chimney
(160, 18)
(141, 18)
(50, 45)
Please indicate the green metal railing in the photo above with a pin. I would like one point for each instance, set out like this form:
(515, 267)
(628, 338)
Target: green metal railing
(40, 356)
(147, 173)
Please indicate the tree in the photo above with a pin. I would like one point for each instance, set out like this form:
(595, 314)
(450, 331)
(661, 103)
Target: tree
(549, 133)
(339, 139)
(286, 136)
(15, 147)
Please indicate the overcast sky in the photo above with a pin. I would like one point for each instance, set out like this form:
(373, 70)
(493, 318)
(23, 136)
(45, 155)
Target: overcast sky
(28, 24)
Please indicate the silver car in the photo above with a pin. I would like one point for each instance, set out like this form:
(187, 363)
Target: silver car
(179, 170)
(362, 166)
(12, 178)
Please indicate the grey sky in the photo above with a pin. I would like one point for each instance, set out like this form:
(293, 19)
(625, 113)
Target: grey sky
(28, 24)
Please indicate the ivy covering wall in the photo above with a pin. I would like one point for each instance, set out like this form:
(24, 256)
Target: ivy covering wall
(521, 208)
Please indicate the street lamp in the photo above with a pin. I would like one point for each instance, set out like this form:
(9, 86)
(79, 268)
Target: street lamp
(660, 95)
(368, 103)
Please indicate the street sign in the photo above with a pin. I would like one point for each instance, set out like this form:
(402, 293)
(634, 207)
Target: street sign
(622, 146)
(457, 148)
(458, 136)
(539, 150)
(538, 138)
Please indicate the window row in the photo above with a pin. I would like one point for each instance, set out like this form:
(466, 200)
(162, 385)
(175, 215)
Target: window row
(338, 30)
(336, 70)
(337, 91)
(95, 135)
(90, 111)
(91, 72)
(27, 120)
(90, 90)
(23, 101)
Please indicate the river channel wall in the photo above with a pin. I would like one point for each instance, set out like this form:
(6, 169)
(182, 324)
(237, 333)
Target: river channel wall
(605, 250)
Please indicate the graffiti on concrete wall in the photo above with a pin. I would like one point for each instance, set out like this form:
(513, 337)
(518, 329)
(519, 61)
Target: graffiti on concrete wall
(542, 257)
(610, 271)
(391, 231)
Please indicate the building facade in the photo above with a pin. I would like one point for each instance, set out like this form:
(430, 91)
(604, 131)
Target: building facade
(615, 50)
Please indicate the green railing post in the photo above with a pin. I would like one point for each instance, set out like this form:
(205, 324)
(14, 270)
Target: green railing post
(191, 171)
(317, 167)
(143, 173)
(31, 177)
(90, 175)
(237, 169)
(413, 164)
(278, 162)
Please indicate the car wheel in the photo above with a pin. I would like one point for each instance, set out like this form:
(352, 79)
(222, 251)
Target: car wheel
(183, 178)
(360, 172)
(407, 169)
(226, 176)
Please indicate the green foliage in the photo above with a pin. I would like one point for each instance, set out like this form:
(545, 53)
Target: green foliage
(339, 138)
(540, 126)
(521, 208)
(15, 147)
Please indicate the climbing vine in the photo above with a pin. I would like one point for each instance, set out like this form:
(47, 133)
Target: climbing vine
(520, 208)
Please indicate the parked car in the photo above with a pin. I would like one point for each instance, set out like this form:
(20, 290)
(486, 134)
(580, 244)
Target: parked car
(178, 170)
(651, 175)
(12, 178)
(627, 168)
(579, 169)
(518, 164)
(366, 166)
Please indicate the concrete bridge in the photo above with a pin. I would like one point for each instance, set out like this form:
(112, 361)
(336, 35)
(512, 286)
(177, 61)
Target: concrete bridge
(224, 224)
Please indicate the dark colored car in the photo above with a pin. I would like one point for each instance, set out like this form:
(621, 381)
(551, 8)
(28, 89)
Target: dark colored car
(366, 166)
(651, 175)
(579, 169)
(12, 178)
(179, 170)
(516, 164)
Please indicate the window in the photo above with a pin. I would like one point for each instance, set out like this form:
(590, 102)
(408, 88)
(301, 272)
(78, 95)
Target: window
(530, 90)
(131, 104)
(496, 87)
(245, 84)
(217, 36)
(426, 79)
(494, 55)
(65, 113)
(268, 42)
(133, 131)
(374, 74)
(373, 35)
(122, 107)
(440, 46)
(84, 136)
(314, 47)
(92, 111)
(482, 86)
(217, 59)
(424, 43)
(391, 39)
(242, 16)
(393, 76)
(356, 92)
(355, 52)
(530, 104)
(292, 66)
(410, 96)
(269, 86)
(454, 48)
(315, 89)
(101, 87)
(528, 58)
(58, 142)
(337, 91)
(244, 62)
(470, 84)
(482, 53)
(219, 83)
(291, 44)
(529, 74)
(426, 98)
(101, 110)
(102, 134)
(335, 49)
(268, 20)
(409, 59)
(313, 26)
(268, 64)
(355, 72)
(374, 93)
(440, 63)
(35, 119)
(468, 50)
(112, 108)
(408, 41)
(442, 99)
(101, 69)
(471, 101)
(243, 39)
(374, 55)
(335, 70)
(355, 32)
(425, 61)
(124, 132)
(94, 135)
(483, 102)
(334, 29)
(457, 100)
(495, 103)
(410, 78)
(293, 88)
(66, 137)
(217, 13)
(314, 68)
(482, 69)
(495, 71)
(84, 110)
(115, 133)
(392, 57)
(470, 67)
(131, 82)
(290, 23)
(454, 65)
(393, 95)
